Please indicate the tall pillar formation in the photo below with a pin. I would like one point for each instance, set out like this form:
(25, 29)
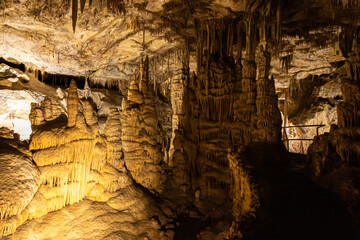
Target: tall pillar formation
(72, 102)
(229, 103)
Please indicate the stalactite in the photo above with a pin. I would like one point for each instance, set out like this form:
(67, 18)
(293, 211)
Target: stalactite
(74, 13)
(82, 5)
(117, 6)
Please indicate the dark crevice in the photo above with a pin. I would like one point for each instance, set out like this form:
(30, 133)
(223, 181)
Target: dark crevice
(20, 66)
(107, 85)
(61, 80)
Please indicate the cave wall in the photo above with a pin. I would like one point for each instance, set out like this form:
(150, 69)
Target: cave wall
(333, 158)
(312, 105)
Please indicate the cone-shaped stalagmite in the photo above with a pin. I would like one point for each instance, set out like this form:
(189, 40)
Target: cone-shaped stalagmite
(72, 102)
(141, 141)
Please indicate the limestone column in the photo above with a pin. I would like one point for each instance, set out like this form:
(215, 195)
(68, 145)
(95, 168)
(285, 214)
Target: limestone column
(72, 104)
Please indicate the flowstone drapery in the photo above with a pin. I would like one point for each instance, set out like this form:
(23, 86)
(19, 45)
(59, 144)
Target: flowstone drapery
(20, 179)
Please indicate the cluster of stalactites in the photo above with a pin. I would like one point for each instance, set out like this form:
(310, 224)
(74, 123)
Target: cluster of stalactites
(226, 39)
(215, 38)
(69, 156)
(66, 173)
(74, 162)
(117, 6)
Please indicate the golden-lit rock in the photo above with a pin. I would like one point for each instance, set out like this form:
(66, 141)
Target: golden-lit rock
(112, 132)
(229, 102)
(141, 140)
(20, 179)
(72, 102)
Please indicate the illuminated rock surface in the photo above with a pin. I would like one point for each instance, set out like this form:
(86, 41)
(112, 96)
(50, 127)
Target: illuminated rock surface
(75, 162)
(141, 135)
(20, 179)
(163, 119)
(333, 158)
(15, 110)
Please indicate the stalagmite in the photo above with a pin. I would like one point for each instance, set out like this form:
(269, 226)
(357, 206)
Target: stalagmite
(89, 113)
(112, 132)
(72, 103)
(74, 162)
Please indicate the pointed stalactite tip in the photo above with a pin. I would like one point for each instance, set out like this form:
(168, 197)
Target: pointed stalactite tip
(74, 13)
(82, 5)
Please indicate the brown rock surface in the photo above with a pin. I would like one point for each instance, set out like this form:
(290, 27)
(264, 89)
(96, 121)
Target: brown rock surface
(228, 103)
(333, 158)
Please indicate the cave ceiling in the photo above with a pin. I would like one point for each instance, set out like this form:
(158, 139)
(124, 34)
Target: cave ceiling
(108, 44)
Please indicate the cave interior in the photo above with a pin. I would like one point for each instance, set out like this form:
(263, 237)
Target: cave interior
(180, 119)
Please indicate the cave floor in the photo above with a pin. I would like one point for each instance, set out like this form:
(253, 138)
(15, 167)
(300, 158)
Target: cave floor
(297, 208)
(294, 208)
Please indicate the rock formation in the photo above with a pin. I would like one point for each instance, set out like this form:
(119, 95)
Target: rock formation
(47, 111)
(333, 158)
(72, 103)
(224, 105)
(186, 144)
(112, 132)
(74, 162)
(246, 192)
(141, 136)
(20, 179)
